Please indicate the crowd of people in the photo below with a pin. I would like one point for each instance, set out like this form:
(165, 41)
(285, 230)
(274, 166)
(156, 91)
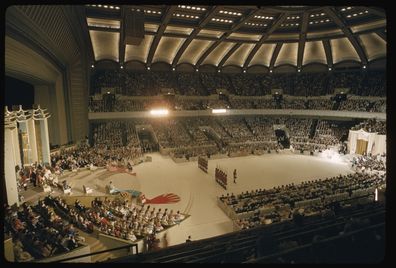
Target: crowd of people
(369, 162)
(49, 227)
(190, 137)
(39, 232)
(367, 83)
(328, 133)
(129, 221)
(372, 125)
(364, 104)
(279, 203)
(117, 142)
(85, 156)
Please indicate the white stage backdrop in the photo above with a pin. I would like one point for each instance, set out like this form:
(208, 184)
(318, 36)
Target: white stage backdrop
(376, 143)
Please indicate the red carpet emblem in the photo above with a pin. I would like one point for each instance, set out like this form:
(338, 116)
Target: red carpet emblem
(164, 199)
(120, 170)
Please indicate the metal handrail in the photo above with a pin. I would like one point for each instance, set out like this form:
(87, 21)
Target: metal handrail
(99, 252)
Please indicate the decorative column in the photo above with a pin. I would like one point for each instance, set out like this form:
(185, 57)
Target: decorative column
(11, 148)
(15, 138)
(27, 136)
(40, 116)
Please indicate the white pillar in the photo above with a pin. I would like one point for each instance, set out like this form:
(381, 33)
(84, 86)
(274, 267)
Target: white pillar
(32, 140)
(10, 176)
(45, 149)
(25, 145)
(15, 142)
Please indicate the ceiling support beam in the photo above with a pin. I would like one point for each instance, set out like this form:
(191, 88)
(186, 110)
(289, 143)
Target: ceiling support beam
(265, 36)
(348, 33)
(194, 34)
(272, 41)
(165, 19)
(275, 55)
(102, 29)
(381, 34)
(377, 11)
(329, 56)
(303, 37)
(235, 27)
(229, 53)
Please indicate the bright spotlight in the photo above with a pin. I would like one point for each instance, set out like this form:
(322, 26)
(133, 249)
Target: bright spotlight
(219, 111)
(159, 112)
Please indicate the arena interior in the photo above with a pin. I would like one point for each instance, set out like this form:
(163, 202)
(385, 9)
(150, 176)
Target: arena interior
(195, 134)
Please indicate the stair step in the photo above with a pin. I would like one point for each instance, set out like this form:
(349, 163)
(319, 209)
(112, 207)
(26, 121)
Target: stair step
(101, 257)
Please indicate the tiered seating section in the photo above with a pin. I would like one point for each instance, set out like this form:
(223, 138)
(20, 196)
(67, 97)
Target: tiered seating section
(190, 137)
(301, 91)
(368, 83)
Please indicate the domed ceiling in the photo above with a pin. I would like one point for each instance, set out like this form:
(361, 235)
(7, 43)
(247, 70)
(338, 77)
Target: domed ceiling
(240, 36)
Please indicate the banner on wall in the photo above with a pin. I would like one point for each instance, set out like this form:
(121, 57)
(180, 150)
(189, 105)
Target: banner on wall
(376, 144)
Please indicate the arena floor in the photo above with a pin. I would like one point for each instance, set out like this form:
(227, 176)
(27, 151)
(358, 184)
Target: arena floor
(198, 190)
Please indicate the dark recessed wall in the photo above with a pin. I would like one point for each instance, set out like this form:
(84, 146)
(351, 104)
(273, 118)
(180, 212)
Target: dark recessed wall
(18, 92)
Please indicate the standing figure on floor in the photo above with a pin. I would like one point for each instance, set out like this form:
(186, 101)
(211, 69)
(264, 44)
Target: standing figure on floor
(235, 175)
